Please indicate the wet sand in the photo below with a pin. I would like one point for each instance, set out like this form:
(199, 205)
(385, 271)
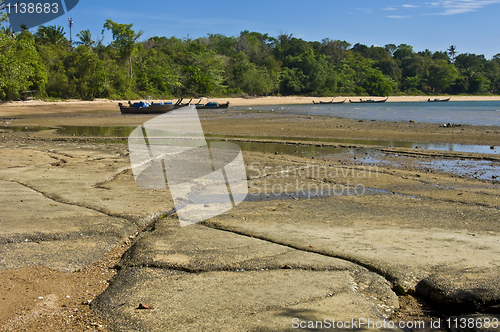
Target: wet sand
(24, 301)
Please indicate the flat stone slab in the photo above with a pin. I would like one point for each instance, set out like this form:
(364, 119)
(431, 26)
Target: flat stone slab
(464, 290)
(36, 230)
(198, 248)
(62, 255)
(231, 301)
(95, 176)
(405, 247)
(199, 277)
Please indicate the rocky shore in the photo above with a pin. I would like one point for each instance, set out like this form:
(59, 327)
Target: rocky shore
(318, 239)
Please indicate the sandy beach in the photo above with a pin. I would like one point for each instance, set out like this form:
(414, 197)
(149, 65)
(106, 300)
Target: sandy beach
(93, 251)
(44, 107)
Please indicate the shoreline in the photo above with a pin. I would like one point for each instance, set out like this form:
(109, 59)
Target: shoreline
(46, 107)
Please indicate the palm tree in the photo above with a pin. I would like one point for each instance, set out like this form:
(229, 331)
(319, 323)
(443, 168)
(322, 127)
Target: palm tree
(51, 35)
(452, 51)
(85, 38)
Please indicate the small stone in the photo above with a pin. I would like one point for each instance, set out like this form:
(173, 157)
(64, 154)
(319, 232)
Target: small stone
(287, 267)
(144, 306)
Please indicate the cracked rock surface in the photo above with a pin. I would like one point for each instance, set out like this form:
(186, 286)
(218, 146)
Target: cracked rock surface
(200, 278)
(66, 202)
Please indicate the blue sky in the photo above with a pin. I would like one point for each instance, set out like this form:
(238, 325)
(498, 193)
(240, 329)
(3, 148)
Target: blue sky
(471, 25)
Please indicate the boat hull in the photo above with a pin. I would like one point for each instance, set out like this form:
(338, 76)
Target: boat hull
(152, 109)
(369, 101)
(439, 100)
(212, 107)
(330, 102)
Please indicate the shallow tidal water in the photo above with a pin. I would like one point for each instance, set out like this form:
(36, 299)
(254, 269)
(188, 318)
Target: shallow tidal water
(479, 113)
(484, 170)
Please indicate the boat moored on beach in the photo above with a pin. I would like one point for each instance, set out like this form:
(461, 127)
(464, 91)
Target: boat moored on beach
(330, 102)
(211, 105)
(438, 100)
(368, 101)
(150, 108)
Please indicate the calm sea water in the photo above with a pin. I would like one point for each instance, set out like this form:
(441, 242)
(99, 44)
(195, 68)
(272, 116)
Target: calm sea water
(457, 112)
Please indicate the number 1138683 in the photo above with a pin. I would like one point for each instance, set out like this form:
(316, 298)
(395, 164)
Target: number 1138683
(32, 8)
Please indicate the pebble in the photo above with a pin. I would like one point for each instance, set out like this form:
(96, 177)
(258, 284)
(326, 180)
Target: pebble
(144, 306)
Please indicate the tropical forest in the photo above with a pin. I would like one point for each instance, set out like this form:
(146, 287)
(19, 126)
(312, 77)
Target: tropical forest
(47, 65)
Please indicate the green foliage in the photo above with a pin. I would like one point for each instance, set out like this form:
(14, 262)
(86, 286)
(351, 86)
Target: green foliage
(124, 40)
(51, 35)
(85, 38)
(441, 76)
(377, 84)
(21, 67)
(291, 81)
(156, 75)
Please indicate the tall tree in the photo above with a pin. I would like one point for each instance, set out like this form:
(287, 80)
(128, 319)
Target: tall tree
(452, 52)
(51, 35)
(124, 39)
(85, 38)
(6, 35)
(391, 48)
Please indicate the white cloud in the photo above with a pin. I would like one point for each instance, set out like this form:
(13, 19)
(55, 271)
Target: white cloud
(389, 8)
(366, 10)
(410, 6)
(452, 7)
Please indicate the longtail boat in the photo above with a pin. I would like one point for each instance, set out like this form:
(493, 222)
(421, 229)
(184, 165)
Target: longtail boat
(368, 101)
(146, 108)
(438, 100)
(211, 105)
(330, 102)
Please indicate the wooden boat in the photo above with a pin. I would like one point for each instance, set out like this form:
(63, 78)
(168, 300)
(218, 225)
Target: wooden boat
(368, 101)
(437, 100)
(211, 106)
(146, 108)
(330, 102)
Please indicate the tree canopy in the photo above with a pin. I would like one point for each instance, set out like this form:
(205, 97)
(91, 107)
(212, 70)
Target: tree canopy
(249, 64)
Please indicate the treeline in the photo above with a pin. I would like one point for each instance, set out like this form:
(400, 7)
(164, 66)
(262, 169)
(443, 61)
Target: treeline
(249, 64)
